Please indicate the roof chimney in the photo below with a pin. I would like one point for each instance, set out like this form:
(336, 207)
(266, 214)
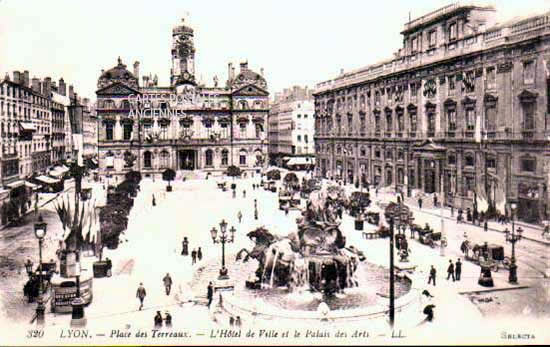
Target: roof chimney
(62, 87)
(26, 78)
(54, 86)
(47, 87)
(71, 92)
(136, 70)
(229, 71)
(17, 77)
(36, 85)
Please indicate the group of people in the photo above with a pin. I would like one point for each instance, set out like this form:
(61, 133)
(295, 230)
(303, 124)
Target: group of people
(454, 271)
(159, 320)
(196, 254)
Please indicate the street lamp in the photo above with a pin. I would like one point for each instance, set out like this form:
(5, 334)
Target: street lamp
(513, 237)
(223, 239)
(40, 229)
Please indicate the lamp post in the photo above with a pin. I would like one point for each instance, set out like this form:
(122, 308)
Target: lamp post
(223, 238)
(392, 276)
(40, 232)
(513, 237)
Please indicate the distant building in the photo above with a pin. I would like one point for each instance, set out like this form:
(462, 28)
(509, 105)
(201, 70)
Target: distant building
(291, 127)
(183, 126)
(462, 110)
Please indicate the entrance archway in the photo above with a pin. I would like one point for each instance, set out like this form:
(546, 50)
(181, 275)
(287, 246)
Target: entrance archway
(187, 159)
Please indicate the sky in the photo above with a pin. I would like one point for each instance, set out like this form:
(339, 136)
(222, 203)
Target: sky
(297, 42)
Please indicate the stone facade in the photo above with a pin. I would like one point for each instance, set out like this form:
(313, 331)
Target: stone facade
(291, 124)
(184, 126)
(462, 109)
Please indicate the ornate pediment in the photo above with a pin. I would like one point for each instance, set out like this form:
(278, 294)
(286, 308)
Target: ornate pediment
(242, 119)
(412, 108)
(468, 101)
(258, 119)
(224, 119)
(250, 90)
(449, 103)
(429, 106)
(116, 89)
(527, 96)
(490, 99)
(430, 146)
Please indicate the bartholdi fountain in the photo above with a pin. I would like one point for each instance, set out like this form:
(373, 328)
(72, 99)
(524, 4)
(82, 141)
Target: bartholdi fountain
(309, 274)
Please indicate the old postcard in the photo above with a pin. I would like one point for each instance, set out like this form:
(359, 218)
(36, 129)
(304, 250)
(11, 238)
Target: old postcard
(274, 172)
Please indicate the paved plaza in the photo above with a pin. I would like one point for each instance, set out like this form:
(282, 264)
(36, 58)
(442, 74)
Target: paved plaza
(151, 247)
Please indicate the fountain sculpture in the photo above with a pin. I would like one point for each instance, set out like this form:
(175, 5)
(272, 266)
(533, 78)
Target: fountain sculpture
(315, 257)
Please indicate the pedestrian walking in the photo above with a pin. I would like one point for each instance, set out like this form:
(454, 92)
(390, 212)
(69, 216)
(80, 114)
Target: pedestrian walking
(158, 320)
(167, 280)
(231, 321)
(154, 201)
(140, 294)
(238, 322)
(167, 319)
(286, 209)
(210, 294)
(240, 216)
(485, 226)
(185, 246)
(199, 254)
(429, 312)
(244, 193)
(458, 269)
(435, 200)
(451, 271)
(420, 203)
(452, 210)
(546, 231)
(193, 256)
(432, 276)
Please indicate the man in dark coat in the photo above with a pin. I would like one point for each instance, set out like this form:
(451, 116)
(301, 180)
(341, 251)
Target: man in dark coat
(199, 254)
(140, 294)
(193, 256)
(185, 246)
(154, 201)
(168, 319)
(451, 271)
(158, 320)
(458, 269)
(420, 203)
(167, 280)
(432, 276)
(210, 294)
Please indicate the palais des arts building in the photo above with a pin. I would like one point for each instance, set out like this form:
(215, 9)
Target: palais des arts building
(184, 126)
(462, 108)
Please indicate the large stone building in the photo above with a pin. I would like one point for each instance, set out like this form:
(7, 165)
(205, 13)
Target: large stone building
(183, 126)
(462, 108)
(291, 126)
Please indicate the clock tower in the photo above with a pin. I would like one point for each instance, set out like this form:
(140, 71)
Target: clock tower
(183, 56)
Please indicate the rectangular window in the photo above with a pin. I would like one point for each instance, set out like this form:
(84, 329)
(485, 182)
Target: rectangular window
(528, 165)
(377, 122)
(414, 90)
(452, 84)
(414, 44)
(432, 38)
(413, 122)
(490, 118)
(451, 119)
(225, 158)
(452, 32)
(529, 72)
(529, 116)
(109, 131)
(242, 159)
(451, 159)
(491, 163)
(470, 119)
(127, 131)
(305, 139)
(299, 138)
(242, 129)
(389, 122)
(164, 131)
(491, 80)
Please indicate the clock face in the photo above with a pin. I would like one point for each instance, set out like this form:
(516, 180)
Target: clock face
(186, 75)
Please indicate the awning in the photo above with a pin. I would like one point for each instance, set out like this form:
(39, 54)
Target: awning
(300, 161)
(32, 185)
(15, 184)
(46, 179)
(56, 173)
(27, 126)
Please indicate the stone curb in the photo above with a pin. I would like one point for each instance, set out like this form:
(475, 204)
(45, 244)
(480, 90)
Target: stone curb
(490, 290)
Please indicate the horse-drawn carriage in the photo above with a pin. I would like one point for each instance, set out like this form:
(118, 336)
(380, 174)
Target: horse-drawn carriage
(491, 253)
(381, 232)
(426, 235)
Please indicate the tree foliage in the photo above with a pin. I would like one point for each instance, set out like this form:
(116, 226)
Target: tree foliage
(233, 171)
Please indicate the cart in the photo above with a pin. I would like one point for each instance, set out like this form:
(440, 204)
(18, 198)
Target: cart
(492, 253)
(428, 237)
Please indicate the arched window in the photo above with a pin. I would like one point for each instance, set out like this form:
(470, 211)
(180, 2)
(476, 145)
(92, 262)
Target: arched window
(225, 157)
(243, 104)
(209, 157)
(242, 157)
(147, 159)
(110, 160)
(259, 130)
(164, 159)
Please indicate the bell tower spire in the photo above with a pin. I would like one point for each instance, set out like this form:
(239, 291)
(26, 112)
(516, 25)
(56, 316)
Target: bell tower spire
(183, 55)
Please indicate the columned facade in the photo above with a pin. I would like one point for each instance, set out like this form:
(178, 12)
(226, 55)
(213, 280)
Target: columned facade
(462, 110)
